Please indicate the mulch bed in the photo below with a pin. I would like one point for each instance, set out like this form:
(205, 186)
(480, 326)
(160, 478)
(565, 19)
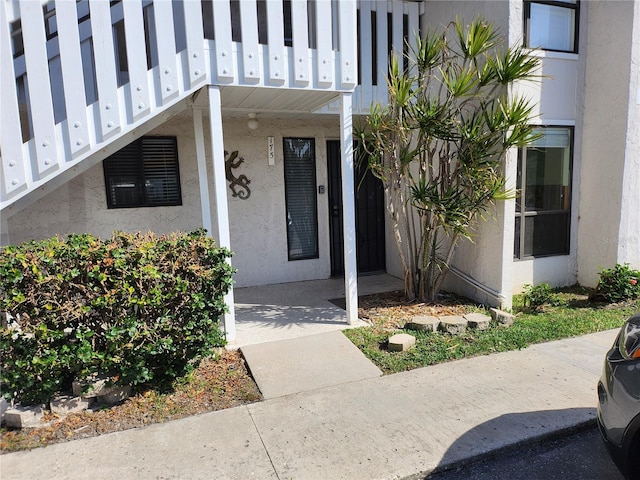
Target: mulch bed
(392, 310)
(215, 385)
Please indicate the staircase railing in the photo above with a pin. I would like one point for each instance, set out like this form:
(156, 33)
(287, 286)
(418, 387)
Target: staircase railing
(78, 76)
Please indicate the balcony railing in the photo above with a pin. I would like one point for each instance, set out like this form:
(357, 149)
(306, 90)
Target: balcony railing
(78, 75)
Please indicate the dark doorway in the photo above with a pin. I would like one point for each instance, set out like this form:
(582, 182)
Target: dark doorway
(370, 215)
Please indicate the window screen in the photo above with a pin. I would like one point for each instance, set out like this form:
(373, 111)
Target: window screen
(301, 199)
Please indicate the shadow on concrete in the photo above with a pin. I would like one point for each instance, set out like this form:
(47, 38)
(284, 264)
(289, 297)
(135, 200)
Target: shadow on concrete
(288, 310)
(509, 432)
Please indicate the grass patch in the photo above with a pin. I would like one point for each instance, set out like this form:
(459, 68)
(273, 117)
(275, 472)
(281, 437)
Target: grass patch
(571, 315)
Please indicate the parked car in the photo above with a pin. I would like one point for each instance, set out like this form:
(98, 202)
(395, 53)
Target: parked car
(619, 399)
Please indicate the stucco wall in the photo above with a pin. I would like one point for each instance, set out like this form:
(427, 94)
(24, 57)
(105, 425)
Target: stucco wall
(81, 205)
(439, 13)
(257, 225)
(629, 236)
(608, 201)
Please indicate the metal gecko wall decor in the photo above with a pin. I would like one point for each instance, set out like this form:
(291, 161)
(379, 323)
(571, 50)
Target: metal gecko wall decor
(241, 182)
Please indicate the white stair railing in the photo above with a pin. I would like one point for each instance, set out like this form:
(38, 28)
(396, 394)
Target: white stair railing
(80, 78)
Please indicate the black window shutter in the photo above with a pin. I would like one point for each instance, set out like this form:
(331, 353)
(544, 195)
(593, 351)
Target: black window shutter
(161, 176)
(144, 173)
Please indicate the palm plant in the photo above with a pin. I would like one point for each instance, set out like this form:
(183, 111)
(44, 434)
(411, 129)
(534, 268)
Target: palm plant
(439, 143)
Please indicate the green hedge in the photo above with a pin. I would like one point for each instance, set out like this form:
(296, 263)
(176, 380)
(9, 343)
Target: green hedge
(137, 308)
(618, 284)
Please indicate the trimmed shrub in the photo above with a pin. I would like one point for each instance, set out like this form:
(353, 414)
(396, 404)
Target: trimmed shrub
(536, 297)
(137, 308)
(618, 284)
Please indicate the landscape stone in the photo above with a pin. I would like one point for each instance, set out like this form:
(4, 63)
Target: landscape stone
(423, 322)
(114, 395)
(4, 406)
(65, 404)
(23, 417)
(479, 321)
(89, 389)
(502, 317)
(98, 389)
(453, 324)
(401, 342)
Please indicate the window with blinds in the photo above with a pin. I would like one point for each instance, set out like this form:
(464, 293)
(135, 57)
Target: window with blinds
(145, 173)
(300, 197)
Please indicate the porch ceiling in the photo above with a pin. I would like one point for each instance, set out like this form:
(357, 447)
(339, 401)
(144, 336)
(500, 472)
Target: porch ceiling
(284, 103)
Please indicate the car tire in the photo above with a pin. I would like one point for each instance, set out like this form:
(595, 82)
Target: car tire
(633, 468)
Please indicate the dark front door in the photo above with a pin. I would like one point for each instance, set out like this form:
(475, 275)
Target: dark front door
(369, 215)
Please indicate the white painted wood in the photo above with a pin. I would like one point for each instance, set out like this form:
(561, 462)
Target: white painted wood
(348, 209)
(167, 67)
(382, 55)
(325, 62)
(40, 187)
(106, 78)
(41, 101)
(14, 175)
(250, 43)
(413, 16)
(300, 33)
(365, 53)
(348, 44)
(397, 37)
(275, 34)
(203, 179)
(72, 76)
(195, 43)
(412, 11)
(136, 58)
(220, 230)
(223, 42)
(12, 11)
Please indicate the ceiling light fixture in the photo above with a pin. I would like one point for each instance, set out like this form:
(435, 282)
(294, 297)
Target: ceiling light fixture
(253, 122)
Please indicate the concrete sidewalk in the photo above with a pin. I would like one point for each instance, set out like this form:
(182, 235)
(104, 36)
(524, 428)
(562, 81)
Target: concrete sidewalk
(396, 426)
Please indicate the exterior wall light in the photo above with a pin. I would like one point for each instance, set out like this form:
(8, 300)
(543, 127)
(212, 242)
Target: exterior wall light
(253, 122)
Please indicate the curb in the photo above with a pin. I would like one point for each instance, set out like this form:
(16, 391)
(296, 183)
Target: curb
(496, 452)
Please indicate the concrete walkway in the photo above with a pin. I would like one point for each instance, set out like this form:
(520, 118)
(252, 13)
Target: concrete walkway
(306, 363)
(291, 310)
(396, 426)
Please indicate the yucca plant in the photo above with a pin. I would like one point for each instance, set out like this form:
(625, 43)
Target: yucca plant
(439, 144)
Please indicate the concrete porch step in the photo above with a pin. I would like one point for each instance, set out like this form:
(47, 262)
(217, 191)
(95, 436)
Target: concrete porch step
(303, 364)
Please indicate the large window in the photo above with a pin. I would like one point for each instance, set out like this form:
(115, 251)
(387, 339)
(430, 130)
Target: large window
(551, 25)
(301, 199)
(544, 200)
(144, 174)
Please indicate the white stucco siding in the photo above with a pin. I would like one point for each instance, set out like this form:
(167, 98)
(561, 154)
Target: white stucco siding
(257, 224)
(557, 271)
(81, 205)
(439, 13)
(629, 244)
(607, 170)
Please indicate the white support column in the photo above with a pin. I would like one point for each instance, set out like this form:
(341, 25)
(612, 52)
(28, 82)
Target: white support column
(348, 210)
(220, 230)
(203, 179)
